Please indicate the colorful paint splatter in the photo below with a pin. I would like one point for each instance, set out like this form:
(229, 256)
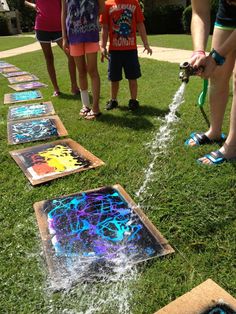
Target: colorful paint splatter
(29, 111)
(52, 159)
(25, 86)
(24, 96)
(12, 74)
(99, 224)
(34, 130)
(220, 309)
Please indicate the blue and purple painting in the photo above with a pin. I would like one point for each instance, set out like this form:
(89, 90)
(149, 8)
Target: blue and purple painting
(220, 309)
(98, 225)
(22, 96)
(30, 111)
(33, 130)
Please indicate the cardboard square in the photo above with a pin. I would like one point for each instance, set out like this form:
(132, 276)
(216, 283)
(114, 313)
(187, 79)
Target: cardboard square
(207, 298)
(22, 97)
(23, 78)
(13, 74)
(10, 69)
(27, 86)
(36, 129)
(88, 227)
(53, 160)
(4, 65)
(28, 111)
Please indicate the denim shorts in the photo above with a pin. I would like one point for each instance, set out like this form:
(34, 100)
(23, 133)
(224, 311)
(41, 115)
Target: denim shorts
(47, 37)
(123, 59)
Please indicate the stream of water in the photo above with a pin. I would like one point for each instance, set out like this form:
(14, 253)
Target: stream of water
(112, 294)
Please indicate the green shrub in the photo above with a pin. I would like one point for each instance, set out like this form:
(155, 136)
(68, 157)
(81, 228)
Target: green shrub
(164, 19)
(187, 15)
(3, 26)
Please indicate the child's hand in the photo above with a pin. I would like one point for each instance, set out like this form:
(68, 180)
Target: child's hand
(148, 49)
(104, 54)
(65, 45)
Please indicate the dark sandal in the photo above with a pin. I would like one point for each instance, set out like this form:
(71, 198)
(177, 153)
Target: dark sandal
(216, 158)
(92, 115)
(201, 139)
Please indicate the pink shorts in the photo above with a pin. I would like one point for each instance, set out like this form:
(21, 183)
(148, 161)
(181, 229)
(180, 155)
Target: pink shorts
(78, 50)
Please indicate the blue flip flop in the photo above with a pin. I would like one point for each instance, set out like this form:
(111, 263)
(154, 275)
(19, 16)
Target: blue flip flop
(202, 139)
(216, 158)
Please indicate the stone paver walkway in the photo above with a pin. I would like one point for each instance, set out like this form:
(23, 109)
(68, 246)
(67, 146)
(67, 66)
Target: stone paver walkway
(159, 53)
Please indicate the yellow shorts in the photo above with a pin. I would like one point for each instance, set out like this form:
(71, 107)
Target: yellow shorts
(81, 49)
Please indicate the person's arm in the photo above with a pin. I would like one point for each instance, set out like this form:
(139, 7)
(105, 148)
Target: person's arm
(30, 5)
(63, 26)
(200, 29)
(200, 23)
(228, 46)
(104, 39)
(142, 32)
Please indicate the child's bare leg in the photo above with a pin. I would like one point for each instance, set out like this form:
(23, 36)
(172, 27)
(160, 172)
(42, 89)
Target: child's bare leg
(47, 51)
(72, 70)
(83, 83)
(114, 89)
(133, 87)
(95, 79)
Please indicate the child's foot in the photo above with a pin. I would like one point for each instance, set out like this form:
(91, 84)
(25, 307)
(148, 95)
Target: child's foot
(111, 104)
(56, 93)
(84, 111)
(133, 104)
(91, 115)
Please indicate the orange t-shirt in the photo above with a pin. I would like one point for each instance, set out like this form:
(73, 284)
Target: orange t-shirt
(122, 16)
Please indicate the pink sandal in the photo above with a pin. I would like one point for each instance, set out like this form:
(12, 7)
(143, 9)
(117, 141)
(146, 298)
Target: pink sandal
(92, 115)
(84, 111)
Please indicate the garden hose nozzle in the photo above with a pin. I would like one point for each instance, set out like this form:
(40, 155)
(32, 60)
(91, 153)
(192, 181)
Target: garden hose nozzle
(186, 70)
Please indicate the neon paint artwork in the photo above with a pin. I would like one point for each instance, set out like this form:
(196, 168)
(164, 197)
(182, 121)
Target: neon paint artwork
(98, 225)
(22, 78)
(52, 159)
(220, 309)
(34, 130)
(12, 74)
(25, 86)
(29, 111)
(24, 96)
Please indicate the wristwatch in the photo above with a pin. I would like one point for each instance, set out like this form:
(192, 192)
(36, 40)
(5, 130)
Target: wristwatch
(219, 60)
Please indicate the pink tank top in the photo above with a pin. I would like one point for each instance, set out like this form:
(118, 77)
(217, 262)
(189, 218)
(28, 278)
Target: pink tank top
(48, 17)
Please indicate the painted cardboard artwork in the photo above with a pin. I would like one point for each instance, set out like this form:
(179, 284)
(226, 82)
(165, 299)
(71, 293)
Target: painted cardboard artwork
(9, 69)
(96, 226)
(22, 96)
(22, 78)
(36, 129)
(13, 74)
(27, 86)
(53, 160)
(28, 111)
(207, 298)
(4, 65)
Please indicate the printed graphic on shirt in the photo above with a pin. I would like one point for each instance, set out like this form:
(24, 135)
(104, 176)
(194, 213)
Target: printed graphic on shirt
(82, 18)
(122, 26)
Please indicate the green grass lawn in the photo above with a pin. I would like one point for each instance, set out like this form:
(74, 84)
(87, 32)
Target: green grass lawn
(10, 42)
(192, 205)
(179, 41)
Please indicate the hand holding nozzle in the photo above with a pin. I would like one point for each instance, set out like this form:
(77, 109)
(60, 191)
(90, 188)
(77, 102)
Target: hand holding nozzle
(187, 70)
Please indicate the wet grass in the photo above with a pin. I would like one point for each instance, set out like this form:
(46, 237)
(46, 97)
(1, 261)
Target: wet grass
(192, 205)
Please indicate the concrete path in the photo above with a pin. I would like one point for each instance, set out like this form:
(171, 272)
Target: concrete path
(159, 53)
